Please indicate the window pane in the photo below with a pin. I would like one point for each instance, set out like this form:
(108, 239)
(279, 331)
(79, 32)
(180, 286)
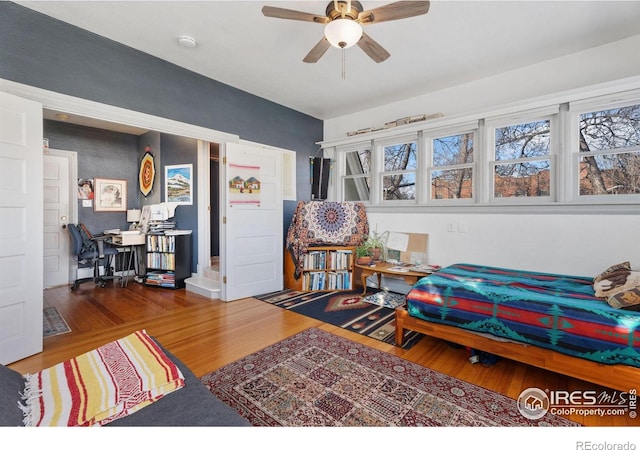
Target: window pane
(358, 162)
(610, 129)
(525, 140)
(453, 150)
(610, 174)
(356, 189)
(399, 187)
(530, 179)
(400, 157)
(454, 183)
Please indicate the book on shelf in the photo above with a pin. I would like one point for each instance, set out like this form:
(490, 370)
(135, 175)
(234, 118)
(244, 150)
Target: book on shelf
(165, 279)
(176, 232)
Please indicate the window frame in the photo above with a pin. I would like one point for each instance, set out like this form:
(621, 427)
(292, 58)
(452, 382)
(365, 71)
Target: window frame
(430, 167)
(342, 163)
(575, 110)
(379, 146)
(564, 195)
(523, 117)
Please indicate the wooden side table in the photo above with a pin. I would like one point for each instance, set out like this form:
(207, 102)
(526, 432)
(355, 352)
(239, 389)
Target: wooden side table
(410, 277)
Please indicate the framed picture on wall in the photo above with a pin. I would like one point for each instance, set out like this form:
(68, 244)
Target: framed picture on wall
(178, 184)
(110, 195)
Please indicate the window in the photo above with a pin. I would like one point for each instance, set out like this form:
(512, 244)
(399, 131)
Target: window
(522, 165)
(357, 181)
(584, 152)
(611, 139)
(399, 171)
(451, 174)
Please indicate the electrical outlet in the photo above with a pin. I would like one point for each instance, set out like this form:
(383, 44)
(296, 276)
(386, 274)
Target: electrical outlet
(450, 228)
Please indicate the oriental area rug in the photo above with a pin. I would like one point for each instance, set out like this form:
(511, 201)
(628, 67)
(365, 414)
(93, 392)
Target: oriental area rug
(316, 378)
(53, 323)
(344, 309)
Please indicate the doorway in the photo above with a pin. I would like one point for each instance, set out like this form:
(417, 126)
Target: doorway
(214, 211)
(59, 209)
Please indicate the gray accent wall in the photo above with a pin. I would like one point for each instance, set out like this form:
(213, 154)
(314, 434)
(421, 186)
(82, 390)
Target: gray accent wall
(40, 51)
(101, 154)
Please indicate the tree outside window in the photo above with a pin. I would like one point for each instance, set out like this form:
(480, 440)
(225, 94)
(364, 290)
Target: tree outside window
(522, 164)
(399, 177)
(612, 139)
(452, 172)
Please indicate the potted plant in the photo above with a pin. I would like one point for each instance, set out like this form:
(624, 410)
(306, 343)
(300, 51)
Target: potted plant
(376, 245)
(362, 255)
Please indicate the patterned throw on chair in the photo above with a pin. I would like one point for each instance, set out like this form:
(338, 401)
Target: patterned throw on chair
(325, 223)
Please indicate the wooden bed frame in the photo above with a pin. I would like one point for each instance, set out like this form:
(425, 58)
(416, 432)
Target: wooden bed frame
(616, 376)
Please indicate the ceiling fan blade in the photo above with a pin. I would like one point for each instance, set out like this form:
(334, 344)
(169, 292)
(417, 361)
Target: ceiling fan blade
(283, 13)
(394, 11)
(316, 52)
(372, 48)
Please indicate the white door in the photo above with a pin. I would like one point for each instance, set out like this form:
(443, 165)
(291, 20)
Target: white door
(252, 242)
(20, 228)
(56, 211)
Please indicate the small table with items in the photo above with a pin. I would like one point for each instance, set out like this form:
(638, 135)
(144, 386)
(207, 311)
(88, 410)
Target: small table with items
(410, 276)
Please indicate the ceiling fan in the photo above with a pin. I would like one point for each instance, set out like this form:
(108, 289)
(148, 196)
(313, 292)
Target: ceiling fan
(344, 20)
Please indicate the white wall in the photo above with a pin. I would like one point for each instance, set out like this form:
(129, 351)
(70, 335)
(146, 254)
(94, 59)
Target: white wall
(577, 244)
(574, 244)
(556, 78)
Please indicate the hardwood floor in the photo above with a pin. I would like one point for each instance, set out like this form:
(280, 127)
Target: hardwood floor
(208, 334)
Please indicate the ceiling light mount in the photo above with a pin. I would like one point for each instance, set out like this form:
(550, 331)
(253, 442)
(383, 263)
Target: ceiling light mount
(187, 41)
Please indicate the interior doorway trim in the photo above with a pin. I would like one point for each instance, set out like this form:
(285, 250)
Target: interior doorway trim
(99, 111)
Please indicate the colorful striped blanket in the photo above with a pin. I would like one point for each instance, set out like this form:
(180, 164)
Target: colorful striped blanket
(102, 385)
(553, 311)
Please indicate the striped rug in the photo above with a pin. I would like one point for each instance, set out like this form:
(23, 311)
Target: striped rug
(345, 309)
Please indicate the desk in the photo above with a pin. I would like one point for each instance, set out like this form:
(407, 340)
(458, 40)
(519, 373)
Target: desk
(131, 247)
(380, 268)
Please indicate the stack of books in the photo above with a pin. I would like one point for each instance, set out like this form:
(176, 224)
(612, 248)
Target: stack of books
(164, 279)
(161, 226)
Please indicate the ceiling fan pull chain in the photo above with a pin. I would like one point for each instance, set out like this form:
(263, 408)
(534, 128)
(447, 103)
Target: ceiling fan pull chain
(344, 60)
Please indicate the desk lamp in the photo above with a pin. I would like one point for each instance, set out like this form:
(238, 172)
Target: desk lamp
(133, 216)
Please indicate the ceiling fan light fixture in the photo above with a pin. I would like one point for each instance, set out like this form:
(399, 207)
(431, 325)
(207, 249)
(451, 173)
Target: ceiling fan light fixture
(343, 33)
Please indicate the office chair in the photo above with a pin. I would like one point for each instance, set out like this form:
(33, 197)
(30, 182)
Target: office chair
(90, 253)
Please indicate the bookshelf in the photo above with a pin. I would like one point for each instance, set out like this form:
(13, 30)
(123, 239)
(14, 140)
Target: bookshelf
(323, 269)
(168, 258)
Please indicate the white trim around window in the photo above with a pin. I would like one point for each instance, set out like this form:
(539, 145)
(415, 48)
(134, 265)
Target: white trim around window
(564, 186)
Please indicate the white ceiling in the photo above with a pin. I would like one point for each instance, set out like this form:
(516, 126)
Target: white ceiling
(456, 42)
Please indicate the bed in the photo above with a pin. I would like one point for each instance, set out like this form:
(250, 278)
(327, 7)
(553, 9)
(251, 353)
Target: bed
(586, 328)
